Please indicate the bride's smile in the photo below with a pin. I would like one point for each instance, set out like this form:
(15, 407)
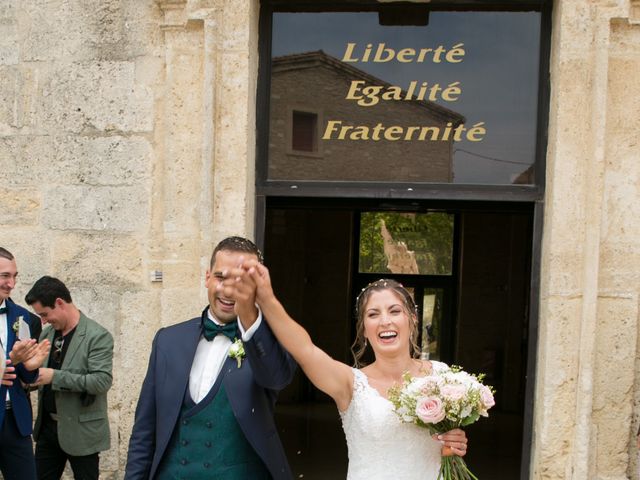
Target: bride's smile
(386, 320)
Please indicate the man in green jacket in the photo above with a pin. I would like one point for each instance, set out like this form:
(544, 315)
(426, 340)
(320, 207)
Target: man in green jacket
(72, 422)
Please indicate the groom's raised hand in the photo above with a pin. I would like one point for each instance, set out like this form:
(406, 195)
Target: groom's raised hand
(240, 287)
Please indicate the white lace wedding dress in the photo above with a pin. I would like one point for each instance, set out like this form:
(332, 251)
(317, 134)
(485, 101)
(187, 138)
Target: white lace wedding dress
(380, 446)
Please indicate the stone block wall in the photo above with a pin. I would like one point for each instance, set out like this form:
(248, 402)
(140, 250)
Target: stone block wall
(114, 116)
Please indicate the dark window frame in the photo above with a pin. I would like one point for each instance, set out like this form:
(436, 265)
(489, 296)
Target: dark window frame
(399, 190)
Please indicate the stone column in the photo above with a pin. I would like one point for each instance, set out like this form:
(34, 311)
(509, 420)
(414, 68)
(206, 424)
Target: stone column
(589, 309)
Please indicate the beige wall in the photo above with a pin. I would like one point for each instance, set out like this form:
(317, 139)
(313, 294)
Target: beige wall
(587, 400)
(127, 134)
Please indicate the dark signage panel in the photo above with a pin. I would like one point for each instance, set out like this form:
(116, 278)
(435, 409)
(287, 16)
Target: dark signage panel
(448, 97)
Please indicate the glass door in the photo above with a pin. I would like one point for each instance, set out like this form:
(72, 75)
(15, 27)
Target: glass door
(416, 249)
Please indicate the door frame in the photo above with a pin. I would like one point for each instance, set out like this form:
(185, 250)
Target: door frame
(536, 209)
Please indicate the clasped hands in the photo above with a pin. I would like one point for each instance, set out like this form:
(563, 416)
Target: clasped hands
(28, 352)
(249, 282)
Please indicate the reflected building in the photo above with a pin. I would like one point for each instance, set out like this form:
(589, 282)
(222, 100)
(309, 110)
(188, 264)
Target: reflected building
(308, 93)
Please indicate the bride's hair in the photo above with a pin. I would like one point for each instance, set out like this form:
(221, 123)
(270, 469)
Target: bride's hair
(360, 344)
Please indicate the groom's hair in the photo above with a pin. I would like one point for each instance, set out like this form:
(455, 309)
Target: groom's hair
(236, 244)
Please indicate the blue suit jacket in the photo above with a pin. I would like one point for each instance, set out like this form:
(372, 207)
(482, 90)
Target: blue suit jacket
(251, 390)
(19, 399)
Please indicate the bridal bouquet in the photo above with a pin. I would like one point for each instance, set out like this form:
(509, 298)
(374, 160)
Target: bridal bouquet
(441, 402)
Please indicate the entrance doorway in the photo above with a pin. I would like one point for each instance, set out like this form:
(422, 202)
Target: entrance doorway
(475, 314)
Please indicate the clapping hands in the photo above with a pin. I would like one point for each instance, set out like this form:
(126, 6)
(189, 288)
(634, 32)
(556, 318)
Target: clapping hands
(30, 353)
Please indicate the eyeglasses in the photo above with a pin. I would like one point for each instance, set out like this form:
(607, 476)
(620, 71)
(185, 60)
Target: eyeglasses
(58, 343)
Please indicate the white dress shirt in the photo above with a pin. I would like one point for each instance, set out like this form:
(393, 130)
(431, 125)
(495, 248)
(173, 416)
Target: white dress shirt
(3, 328)
(210, 356)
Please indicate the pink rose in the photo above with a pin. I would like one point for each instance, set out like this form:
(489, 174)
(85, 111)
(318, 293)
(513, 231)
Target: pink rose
(453, 392)
(486, 397)
(430, 409)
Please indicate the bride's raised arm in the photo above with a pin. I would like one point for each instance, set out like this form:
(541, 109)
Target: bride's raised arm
(332, 377)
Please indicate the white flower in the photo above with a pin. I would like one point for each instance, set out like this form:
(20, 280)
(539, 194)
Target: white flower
(237, 351)
(16, 324)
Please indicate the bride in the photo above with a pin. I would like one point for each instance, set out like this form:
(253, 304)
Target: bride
(379, 445)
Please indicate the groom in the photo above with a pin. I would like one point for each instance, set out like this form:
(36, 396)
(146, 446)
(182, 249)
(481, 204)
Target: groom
(204, 412)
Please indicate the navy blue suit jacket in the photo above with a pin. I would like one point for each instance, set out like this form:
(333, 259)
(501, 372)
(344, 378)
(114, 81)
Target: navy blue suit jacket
(251, 390)
(19, 399)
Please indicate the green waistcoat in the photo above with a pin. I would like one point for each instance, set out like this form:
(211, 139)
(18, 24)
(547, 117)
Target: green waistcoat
(208, 443)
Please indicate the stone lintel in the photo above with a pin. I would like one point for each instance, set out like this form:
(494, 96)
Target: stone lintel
(174, 14)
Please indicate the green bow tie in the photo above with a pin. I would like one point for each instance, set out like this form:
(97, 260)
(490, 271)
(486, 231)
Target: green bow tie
(3, 310)
(211, 329)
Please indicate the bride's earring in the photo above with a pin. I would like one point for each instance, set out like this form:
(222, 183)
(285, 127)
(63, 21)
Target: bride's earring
(365, 342)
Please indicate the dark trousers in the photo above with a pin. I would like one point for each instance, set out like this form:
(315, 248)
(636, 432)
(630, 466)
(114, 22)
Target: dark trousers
(51, 459)
(16, 451)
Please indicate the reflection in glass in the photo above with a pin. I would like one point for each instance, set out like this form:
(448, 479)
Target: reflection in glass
(304, 131)
(406, 243)
(431, 321)
(401, 103)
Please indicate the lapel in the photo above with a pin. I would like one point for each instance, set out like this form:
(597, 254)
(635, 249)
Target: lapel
(178, 360)
(11, 319)
(76, 341)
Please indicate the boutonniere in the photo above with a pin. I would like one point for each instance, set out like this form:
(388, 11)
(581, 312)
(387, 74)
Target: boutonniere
(16, 325)
(237, 351)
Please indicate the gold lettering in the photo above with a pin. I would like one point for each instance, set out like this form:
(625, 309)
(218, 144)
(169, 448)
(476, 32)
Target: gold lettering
(405, 55)
(330, 128)
(437, 52)
(360, 133)
(353, 89)
(393, 133)
(435, 131)
(433, 92)
(457, 133)
(367, 52)
(423, 54)
(410, 131)
(477, 129)
(344, 130)
(393, 93)
(367, 96)
(456, 51)
(370, 92)
(336, 130)
(452, 92)
(447, 131)
(376, 131)
(383, 54)
(348, 52)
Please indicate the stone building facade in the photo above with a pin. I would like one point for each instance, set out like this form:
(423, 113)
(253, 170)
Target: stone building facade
(127, 147)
